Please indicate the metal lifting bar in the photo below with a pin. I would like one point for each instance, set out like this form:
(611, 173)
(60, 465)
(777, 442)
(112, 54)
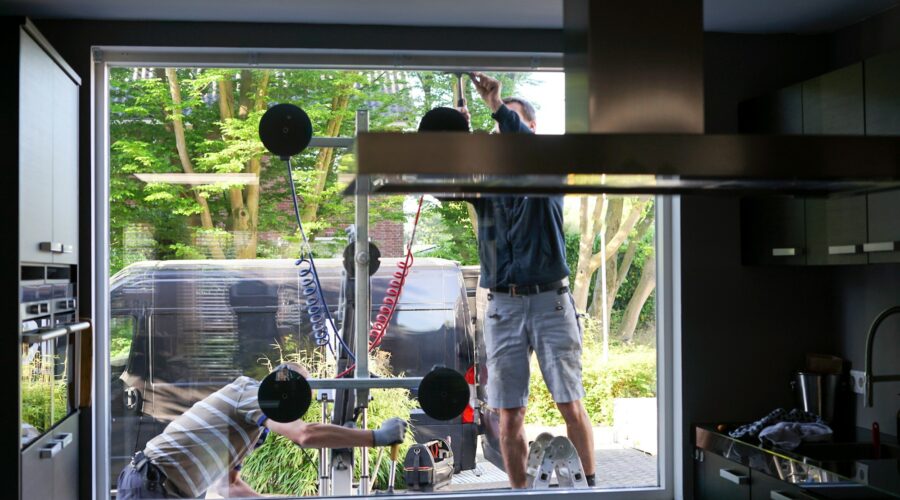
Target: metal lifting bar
(361, 343)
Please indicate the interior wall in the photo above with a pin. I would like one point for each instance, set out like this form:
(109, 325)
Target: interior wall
(745, 330)
(861, 293)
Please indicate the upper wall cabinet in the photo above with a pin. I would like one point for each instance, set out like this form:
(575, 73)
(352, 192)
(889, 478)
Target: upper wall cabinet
(836, 230)
(48, 155)
(773, 231)
(779, 112)
(833, 103)
(883, 118)
(883, 94)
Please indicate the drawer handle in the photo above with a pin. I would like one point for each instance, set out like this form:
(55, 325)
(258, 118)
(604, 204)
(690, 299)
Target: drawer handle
(737, 479)
(777, 495)
(785, 252)
(65, 439)
(843, 249)
(50, 246)
(882, 246)
(52, 450)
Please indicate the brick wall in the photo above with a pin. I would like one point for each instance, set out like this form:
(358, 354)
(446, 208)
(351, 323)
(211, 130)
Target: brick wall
(388, 236)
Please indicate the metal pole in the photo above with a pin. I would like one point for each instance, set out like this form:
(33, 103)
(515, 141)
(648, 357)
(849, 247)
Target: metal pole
(604, 303)
(364, 454)
(323, 452)
(363, 307)
(362, 353)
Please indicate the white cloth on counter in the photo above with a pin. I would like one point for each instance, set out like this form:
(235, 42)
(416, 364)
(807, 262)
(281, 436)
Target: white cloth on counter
(789, 435)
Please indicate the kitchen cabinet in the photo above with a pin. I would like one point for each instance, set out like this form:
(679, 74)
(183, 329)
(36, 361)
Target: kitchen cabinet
(48, 156)
(764, 487)
(833, 103)
(779, 112)
(883, 242)
(718, 478)
(882, 91)
(836, 230)
(773, 231)
(50, 464)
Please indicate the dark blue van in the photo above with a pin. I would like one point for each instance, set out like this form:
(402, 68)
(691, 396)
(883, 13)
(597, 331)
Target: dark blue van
(182, 329)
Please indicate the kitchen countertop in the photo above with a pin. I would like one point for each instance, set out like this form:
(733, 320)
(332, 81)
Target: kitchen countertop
(876, 478)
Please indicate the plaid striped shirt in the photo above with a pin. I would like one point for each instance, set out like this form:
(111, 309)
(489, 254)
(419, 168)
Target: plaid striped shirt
(214, 436)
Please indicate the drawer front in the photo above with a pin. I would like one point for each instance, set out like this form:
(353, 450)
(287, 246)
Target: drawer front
(765, 487)
(720, 478)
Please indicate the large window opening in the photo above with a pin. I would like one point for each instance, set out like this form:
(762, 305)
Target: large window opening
(203, 287)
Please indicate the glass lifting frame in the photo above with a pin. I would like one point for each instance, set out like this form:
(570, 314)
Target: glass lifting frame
(340, 479)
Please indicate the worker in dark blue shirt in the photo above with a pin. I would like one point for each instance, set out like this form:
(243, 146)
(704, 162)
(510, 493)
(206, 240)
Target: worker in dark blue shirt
(522, 250)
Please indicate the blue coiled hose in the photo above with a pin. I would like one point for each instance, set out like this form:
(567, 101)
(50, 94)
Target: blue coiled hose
(310, 286)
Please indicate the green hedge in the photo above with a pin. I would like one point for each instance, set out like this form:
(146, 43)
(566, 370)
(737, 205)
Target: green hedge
(630, 372)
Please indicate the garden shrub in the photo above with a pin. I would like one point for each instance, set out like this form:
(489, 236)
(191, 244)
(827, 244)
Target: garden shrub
(630, 372)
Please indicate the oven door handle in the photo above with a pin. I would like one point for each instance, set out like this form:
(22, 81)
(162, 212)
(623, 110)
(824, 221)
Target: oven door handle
(57, 331)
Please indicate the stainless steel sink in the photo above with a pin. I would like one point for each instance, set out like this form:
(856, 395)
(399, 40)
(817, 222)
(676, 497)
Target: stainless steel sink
(847, 451)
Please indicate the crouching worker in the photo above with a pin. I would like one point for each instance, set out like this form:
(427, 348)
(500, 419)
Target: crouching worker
(210, 441)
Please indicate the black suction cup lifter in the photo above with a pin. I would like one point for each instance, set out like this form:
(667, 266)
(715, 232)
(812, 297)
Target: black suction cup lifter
(285, 130)
(284, 395)
(443, 393)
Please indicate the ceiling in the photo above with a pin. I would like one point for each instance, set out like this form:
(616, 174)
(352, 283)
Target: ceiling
(749, 16)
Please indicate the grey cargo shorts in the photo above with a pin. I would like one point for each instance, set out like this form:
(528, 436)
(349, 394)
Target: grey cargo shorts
(544, 323)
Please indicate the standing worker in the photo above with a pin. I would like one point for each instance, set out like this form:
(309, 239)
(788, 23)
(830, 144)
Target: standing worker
(208, 443)
(522, 250)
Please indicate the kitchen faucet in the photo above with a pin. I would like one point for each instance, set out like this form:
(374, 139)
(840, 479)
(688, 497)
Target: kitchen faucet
(870, 341)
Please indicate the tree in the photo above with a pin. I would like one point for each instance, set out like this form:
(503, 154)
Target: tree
(202, 120)
(641, 293)
(612, 218)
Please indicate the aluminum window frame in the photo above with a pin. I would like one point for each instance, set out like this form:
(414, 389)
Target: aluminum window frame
(670, 442)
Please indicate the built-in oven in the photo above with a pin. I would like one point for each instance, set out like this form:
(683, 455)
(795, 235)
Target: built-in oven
(50, 372)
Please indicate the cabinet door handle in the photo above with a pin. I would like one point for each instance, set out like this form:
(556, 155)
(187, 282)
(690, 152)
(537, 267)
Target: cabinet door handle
(737, 479)
(881, 246)
(64, 248)
(65, 439)
(785, 252)
(52, 450)
(50, 246)
(843, 249)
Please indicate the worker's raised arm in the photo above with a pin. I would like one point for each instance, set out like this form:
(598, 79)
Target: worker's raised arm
(312, 435)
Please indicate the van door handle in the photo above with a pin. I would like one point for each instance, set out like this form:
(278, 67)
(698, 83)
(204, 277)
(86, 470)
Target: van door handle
(52, 450)
(737, 479)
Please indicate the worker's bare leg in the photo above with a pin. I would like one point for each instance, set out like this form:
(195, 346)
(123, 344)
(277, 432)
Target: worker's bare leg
(513, 445)
(578, 428)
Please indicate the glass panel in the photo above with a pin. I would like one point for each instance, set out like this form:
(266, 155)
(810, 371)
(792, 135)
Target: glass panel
(46, 394)
(207, 287)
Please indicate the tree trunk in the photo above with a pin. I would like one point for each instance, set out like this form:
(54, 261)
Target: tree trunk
(586, 228)
(186, 165)
(245, 212)
(613, 243)
(628, 258)
(641, 293)
(325, 157)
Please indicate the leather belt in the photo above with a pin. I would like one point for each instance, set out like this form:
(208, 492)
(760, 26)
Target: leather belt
(516, 290)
